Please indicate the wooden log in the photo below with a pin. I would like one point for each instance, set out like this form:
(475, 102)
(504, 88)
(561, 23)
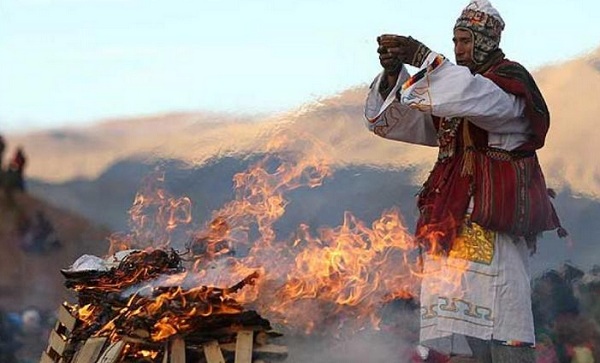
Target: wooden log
(201, 336)
(166, 354)
(46, 358)
(57, 343)
(112, 353)
(177, 350)
(213, 353)
(66, 319)
(272, 349)
(90, 351)
(243, 346)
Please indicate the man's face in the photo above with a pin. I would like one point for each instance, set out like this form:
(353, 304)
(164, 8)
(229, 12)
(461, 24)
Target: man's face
(463, 48)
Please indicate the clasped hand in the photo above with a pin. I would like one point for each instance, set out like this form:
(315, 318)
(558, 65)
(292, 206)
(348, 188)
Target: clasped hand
(395, 50)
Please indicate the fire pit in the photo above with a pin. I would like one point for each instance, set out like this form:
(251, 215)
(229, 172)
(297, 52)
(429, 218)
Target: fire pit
(130, 313)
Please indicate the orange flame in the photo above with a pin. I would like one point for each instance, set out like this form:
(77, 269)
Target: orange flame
(168, 213)
(152, 354)
(351, 270)
(86, 314)
(346, 273)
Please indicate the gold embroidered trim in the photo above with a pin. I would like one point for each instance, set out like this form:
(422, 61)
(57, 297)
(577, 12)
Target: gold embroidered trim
(474, 243)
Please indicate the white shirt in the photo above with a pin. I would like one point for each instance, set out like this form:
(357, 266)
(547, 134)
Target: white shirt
(444, 89)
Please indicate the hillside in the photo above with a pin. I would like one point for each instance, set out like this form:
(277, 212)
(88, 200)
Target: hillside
(365, 191)
(30, 276)
(72, 153)
(572, 90)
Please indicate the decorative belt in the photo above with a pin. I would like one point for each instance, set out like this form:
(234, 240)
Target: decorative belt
(505, 155)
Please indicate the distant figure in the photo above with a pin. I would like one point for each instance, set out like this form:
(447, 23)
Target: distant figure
(552, 297)
(2, 148)
(32, 321)
(39, 236)
(17, 165)
(13, 177)
(588, 292)
(559, 320)
(8, 344)
(578, 339)
(33, 335)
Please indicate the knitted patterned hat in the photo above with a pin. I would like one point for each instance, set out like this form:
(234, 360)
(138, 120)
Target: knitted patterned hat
(486, 25)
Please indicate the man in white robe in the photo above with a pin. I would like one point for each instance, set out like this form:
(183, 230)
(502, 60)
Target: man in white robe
(475, 293)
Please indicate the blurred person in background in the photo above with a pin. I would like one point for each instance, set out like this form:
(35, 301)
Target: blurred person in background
(2, 148)
(8, 343)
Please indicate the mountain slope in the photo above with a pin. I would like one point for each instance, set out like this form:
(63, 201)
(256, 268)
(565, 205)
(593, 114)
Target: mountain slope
(570, 88)
(29, 277)
(85, 152)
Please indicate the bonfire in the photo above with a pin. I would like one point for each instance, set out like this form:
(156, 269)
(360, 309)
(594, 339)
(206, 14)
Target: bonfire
(148, 302)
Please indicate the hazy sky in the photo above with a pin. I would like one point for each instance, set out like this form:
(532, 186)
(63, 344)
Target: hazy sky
(76, 61)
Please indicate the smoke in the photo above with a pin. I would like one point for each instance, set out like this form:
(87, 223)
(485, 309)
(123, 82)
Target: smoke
(366, 346)
(394, 341)
(217, 274)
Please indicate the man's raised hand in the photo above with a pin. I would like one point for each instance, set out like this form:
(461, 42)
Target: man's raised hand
(389, 59)
(397, 48)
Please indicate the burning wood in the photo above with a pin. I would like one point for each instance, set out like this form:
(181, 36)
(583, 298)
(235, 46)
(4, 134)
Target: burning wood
(145, 307)
(137, 267)
(125, 310)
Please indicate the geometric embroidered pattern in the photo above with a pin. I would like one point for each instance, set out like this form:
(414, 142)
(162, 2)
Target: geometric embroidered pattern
(460, 310)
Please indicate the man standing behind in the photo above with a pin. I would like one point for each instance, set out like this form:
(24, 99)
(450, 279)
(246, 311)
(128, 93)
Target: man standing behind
(2, 148)
(485, 201)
